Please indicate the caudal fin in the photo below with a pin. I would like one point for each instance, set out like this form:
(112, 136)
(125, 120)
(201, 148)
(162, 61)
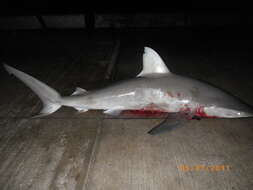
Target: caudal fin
(50, 98)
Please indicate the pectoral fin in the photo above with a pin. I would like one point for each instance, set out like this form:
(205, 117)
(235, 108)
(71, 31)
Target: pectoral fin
(164, 126)
(171, 122)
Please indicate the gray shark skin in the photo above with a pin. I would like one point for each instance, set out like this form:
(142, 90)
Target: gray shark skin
(154, 89)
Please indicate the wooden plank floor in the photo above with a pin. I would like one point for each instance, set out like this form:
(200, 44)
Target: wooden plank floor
(128, 158)
(89, 151)
(47, 154)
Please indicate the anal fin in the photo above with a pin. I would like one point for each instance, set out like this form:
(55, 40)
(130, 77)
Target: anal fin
(81, 110)
(113, 112)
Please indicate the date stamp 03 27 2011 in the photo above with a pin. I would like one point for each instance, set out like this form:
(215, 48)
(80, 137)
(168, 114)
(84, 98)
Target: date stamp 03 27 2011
(212, 168)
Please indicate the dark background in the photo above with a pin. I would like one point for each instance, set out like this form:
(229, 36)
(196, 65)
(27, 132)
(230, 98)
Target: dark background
(186, 26)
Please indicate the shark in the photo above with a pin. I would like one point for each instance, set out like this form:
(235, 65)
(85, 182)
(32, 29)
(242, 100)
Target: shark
(154, 90)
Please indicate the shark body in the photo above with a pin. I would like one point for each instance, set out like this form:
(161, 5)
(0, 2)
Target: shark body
(154, 89)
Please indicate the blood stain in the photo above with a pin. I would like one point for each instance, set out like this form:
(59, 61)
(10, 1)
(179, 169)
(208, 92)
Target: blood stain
(170, 94)
(200, 112)
(148, 111)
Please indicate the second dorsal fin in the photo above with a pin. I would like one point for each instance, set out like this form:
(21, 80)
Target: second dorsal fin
(79, 91)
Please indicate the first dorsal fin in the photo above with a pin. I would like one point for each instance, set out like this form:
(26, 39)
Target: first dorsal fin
(152, 63)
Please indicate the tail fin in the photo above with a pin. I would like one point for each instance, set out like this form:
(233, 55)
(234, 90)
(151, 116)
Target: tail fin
(50, 98)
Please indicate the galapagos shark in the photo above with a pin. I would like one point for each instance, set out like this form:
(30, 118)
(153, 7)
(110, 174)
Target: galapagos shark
(155, 89)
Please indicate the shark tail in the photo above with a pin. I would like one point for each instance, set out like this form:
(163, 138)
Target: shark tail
(50, 98)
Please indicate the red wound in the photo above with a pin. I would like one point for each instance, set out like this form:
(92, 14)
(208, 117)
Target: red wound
(200, 112)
